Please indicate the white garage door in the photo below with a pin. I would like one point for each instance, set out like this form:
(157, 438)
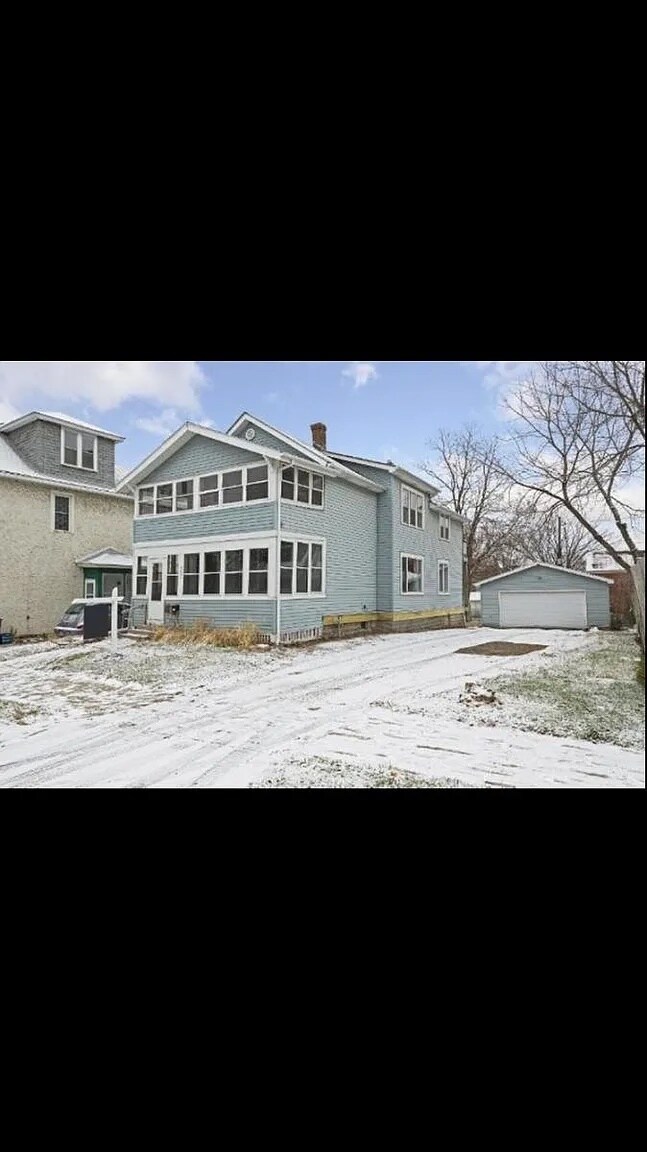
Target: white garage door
(543, 609)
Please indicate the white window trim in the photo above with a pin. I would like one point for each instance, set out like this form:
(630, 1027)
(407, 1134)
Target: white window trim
(445, 539)
(297, 538)
(79, 451)
(410, 556)
(312, 472)
(419, 495)
(86, 594)
(156, 551)
(62, 496)
(447, 564)
(197, 509)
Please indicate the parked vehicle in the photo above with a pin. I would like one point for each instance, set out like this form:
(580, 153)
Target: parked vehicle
(72, 623)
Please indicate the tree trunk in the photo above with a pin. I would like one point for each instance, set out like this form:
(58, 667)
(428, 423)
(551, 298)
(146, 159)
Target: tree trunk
(639, 598)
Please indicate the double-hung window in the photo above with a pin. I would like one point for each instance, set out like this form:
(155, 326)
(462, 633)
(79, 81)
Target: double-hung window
(62, 513)
(445, 528)
(79, 450)
(443, 578)
(302, 566)
(413, 508)
(413, 576)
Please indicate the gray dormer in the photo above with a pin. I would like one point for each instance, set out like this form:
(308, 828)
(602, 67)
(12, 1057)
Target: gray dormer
(57, 446)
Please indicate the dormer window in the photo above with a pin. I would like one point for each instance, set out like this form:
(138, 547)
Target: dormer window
(79, 450)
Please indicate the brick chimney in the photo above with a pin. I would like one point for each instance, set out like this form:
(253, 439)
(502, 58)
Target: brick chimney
(320, 437)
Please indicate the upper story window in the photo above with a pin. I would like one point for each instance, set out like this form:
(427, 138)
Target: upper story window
(413, 508)
(302, 487)
(240, 486)
(62, 513)
(79, 450)
(445, 527)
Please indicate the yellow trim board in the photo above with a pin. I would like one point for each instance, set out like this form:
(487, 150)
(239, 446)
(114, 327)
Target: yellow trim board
(392, 617)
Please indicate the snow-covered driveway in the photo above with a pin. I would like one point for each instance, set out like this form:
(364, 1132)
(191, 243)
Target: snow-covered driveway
(176, 718)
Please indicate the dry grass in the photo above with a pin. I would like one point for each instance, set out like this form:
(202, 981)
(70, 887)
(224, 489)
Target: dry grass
(206, 636)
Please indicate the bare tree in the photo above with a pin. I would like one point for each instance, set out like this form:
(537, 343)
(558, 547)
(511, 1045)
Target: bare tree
(578, 440)
(466, 469)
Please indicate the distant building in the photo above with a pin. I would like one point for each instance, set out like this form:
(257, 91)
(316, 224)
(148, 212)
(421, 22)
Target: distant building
(65, 531)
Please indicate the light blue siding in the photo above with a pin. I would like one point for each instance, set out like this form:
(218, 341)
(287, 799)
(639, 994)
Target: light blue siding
(598, 595)
(396, 538)
(348, 523)
(198, 458)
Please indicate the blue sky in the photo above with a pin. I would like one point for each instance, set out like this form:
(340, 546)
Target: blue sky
(382, 408)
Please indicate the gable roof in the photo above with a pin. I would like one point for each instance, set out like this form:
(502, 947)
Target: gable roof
(308, 451)
(13, 467)
(536, 564)
(186, 433)
(393, 469)
(107, 558)
(61, 419)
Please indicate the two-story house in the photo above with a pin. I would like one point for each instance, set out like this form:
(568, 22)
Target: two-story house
(255, 526)
(65, 532)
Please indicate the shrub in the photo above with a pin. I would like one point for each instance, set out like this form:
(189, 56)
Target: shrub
(202, 633)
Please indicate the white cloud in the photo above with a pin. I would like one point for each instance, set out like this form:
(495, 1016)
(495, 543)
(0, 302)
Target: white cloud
(102, 384)
(361, 373)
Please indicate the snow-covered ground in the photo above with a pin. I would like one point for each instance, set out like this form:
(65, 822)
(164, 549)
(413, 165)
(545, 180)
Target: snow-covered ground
(379, 712)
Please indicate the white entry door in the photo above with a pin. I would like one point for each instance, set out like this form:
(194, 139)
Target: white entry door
(543, 610)
(156, 604)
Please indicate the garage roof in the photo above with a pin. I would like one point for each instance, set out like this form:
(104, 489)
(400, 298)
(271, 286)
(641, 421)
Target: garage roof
(552, 567)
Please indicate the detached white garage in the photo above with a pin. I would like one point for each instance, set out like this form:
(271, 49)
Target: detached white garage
(544, 596)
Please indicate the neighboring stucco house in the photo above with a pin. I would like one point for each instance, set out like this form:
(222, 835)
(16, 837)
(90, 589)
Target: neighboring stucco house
(545, 596)
(254, 525)
(63, 526)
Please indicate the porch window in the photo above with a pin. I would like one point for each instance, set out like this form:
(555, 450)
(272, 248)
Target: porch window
(184, 496)
(212, 573)
(209, 491)
(164, 499)
(142, 576)
(259, 571)
(173, 576)
(287, 568)
(258, 484)
(413, 576)
(191, 583)
(287, 490)
(232, 488)
(234, 573)
(146, 501)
